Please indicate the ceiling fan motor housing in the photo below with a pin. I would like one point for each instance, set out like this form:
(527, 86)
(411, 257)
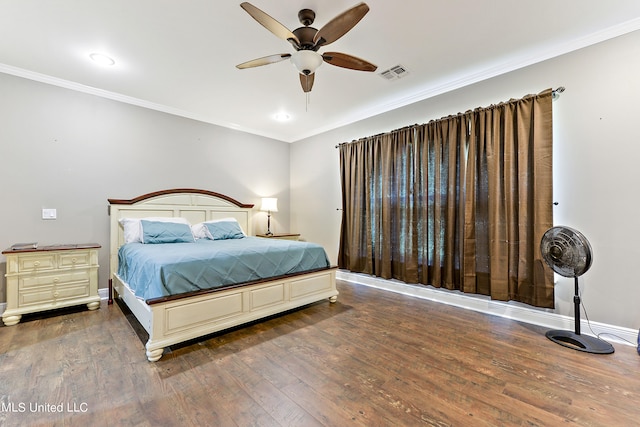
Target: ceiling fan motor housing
(305, 35)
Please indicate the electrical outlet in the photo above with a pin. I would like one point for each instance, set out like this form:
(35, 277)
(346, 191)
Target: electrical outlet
(49, 214)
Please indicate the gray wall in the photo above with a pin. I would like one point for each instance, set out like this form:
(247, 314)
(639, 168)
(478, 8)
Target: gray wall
(72, 151)
(596, 171)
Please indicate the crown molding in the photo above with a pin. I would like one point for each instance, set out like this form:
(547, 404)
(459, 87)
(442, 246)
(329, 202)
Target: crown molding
(426, 92)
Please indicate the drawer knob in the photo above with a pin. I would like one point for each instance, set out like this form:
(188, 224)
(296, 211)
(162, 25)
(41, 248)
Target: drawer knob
(55, 294)
(73, 260)
(36, 263)
(56, 280)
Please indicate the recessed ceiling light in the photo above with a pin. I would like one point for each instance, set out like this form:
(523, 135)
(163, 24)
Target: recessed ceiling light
(102, 59)
(282, 117)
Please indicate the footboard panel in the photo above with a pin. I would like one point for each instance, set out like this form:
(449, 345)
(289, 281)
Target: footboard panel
(179, 317)
(181, 320)
(309, 286)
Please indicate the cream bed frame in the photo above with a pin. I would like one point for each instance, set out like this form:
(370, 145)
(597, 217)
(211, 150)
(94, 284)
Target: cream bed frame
(176, 319)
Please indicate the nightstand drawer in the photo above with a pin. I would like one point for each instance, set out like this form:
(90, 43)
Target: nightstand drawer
(67, 292)
(36, 262)
(36, 296)
(52, 295)
(74, 259)
(27, 282)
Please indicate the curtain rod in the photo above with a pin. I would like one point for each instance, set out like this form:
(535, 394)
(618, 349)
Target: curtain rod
(378, 134)
(555, 94)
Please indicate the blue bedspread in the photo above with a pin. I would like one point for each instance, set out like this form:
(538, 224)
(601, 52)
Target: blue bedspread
(160, 270)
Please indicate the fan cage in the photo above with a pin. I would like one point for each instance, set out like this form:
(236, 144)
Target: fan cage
(566, 251)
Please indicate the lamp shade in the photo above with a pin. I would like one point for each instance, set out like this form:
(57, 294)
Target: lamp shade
(306, 61)
(269, 204)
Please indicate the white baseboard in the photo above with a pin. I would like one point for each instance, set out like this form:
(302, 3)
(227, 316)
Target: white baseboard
(509, 310)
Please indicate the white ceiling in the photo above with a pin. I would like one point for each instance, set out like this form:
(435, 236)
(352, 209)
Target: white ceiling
(179, 56)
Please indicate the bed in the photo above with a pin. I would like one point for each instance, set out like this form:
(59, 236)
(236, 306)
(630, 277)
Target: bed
(208, 304)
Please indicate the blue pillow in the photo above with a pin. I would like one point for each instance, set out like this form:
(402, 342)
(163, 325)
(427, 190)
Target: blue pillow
(165, 232)
(222, 230)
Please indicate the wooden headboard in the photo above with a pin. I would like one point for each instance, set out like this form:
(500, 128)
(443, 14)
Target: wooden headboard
(193, 204)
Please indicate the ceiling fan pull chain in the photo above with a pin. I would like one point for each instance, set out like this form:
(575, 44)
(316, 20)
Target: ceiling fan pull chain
(307, 95)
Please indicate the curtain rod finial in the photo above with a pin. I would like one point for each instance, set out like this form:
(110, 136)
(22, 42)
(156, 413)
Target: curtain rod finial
(555, 94)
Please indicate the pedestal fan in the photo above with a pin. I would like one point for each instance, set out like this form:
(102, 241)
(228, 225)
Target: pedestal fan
(568, 253)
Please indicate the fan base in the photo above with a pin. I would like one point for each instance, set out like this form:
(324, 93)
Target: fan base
(579, 342)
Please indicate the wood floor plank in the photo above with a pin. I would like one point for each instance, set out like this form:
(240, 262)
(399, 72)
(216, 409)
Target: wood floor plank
(374, 358)
(283, 409)
(364, 384)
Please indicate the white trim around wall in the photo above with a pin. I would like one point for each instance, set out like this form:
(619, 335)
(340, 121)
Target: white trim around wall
(514, 311)
(510, 310)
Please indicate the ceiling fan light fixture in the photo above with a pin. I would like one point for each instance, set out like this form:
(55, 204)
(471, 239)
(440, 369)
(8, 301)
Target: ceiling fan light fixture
(306, 61)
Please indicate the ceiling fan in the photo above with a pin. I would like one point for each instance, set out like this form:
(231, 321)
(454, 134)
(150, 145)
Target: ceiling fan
(307, 41)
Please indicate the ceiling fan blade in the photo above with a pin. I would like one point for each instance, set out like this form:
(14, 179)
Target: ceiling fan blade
(306, 80)
(340, 25)
(271, 59)
(270, 24)
(348, 61)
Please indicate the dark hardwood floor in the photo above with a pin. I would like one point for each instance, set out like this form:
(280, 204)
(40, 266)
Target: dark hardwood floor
(374, 358)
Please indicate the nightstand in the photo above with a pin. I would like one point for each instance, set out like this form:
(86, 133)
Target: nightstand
(283, 236)
(50, 277)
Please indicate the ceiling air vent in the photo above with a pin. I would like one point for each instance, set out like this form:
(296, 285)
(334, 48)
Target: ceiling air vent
(394, 73)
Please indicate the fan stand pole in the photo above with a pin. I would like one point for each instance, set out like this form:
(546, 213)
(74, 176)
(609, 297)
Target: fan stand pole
(576, 306)
(576, 341)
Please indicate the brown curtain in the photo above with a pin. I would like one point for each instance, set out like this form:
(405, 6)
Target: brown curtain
(460, 202)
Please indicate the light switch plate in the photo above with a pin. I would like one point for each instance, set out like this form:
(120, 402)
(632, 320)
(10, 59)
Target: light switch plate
(49, 214)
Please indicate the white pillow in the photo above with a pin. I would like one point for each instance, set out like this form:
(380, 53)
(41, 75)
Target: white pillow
(200, 230)
(133, 227)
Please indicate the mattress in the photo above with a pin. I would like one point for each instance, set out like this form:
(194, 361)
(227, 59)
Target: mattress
(166, 269)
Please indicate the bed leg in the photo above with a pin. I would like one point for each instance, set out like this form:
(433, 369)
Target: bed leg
(154, 355)
(333, 299)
